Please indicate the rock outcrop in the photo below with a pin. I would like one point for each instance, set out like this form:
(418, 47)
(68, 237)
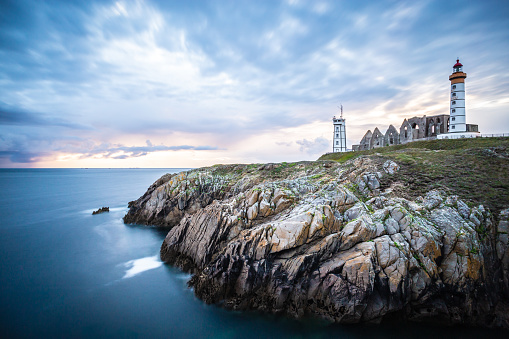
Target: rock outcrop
(330, 240)
(101, 210)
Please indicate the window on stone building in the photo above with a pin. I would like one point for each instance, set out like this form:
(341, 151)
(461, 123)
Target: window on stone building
(453, 110)
(337, 142)
(453, 118)
(454, 102)
(453, 127)
(337, 135)
(453, 86)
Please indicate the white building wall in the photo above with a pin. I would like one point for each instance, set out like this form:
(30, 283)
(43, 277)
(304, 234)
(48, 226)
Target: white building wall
(457, 112)
(458, 135)
(339, 136)
(457, 119)
(457, 95)
(459, 87)
(458, 128)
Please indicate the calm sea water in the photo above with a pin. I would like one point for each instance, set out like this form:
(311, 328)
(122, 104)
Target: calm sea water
(66, 273)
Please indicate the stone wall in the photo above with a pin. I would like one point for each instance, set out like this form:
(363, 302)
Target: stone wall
(412, 129)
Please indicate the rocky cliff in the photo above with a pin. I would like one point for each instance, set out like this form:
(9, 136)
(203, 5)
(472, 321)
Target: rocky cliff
(334, 240)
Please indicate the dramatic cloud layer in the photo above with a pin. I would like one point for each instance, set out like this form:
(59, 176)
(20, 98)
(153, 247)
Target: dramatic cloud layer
(88, 83)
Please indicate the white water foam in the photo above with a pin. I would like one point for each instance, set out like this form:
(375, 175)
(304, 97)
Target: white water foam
(117, 209)
(138, 266)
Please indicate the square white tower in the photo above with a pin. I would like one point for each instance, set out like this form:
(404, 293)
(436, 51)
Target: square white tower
(339, 136)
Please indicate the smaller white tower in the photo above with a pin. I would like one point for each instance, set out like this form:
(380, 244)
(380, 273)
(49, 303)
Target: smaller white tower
(457, 121)
(339, 136)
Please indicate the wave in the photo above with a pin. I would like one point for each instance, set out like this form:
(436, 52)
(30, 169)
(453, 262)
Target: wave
(138, 266)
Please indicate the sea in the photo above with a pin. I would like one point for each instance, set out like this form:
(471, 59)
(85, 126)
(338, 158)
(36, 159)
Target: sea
(65, 273)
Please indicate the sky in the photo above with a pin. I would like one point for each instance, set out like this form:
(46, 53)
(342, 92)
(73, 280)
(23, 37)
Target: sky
(142, 83)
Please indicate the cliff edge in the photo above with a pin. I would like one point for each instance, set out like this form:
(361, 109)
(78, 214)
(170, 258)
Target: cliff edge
(350, 242)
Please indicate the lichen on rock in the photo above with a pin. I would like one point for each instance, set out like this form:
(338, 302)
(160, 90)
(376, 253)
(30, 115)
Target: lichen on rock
(328, 239)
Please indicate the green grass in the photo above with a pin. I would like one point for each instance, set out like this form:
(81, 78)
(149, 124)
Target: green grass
(477, 170)
(340, 157)
(435, 145)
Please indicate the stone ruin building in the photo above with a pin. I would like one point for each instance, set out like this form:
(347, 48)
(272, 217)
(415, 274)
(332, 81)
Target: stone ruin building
(411, 129)
(442, 126)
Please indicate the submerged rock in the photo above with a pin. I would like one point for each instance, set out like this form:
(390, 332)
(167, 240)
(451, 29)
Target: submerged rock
(325, 239)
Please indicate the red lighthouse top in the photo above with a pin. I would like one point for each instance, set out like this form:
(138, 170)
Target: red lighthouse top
(457, 75)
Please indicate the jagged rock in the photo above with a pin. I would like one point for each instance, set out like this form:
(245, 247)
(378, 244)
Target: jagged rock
(172, 196)
(101, 210)
(371, 180)
(503, 244)
(463, 209)
(390, 167)
(321, 240)
(432, 199)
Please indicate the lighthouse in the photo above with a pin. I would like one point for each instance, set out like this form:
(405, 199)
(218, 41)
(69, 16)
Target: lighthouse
(458, 127)
(457, 123)
(339, 136)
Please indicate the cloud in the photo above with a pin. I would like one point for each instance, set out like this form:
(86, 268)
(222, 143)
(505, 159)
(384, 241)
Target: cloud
(15, 116)
(313, 147)
(321, 7)
(26, 149)
(125, 152)
(283, 143)
(23, 145)
(19, 157)
(78, 75)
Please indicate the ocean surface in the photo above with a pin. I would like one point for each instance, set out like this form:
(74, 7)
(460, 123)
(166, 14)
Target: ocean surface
(65, 273)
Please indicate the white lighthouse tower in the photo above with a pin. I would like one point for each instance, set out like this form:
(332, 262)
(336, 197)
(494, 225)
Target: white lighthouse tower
(457, 122)
(339, 136)
(458, 127)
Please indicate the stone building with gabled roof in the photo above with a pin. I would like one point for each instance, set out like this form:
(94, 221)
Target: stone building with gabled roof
(365, 142)
(378, 139)
(441, 126)
(416, 128)
(391, 136)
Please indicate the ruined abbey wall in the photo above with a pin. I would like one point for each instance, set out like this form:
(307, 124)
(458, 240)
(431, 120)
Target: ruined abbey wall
(412, 129)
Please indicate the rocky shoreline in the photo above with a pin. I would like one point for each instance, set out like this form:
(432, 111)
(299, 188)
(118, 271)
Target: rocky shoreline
(331, 240)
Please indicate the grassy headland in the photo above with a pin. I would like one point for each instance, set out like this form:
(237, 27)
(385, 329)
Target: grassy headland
(475, 169)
